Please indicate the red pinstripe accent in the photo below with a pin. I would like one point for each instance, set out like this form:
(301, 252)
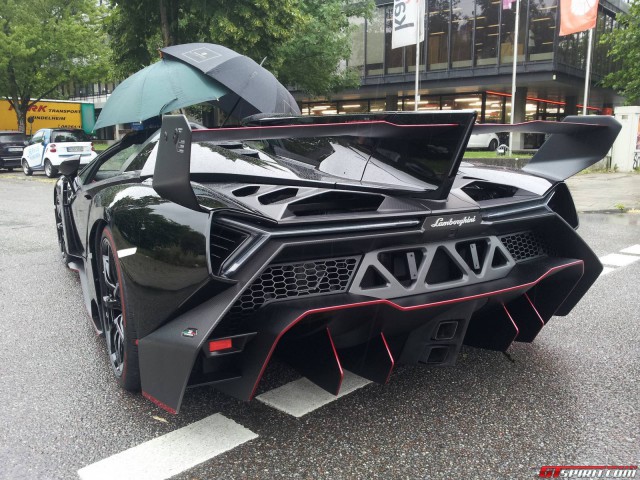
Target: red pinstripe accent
(514, 323)
(534, 307)
(393, 362)
(319, 125)
(384, 301)
(335, 353)
(159, 403)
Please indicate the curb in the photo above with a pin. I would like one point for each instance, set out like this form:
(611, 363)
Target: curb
(608, 211)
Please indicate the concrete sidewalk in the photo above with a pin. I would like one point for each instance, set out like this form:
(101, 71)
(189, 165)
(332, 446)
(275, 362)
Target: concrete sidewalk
(599, 192)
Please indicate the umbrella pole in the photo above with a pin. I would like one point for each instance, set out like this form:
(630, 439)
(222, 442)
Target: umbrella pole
(231, 111)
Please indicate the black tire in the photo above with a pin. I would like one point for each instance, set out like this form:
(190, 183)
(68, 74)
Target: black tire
(49, 170)
(25, 168)
(57, 208)
(10, 169)
(118, 324)
(493, 145)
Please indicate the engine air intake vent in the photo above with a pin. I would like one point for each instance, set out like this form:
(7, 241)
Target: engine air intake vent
(525, 245)
(331, 203)
(246, 191)
(223, 241)
(479, 191)
(300, 279)
(277, 196)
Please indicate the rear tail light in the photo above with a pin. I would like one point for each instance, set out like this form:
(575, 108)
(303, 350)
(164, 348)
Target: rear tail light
(52, 148)
(218, 345)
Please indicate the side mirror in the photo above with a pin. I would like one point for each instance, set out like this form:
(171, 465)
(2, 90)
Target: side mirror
(69, 167)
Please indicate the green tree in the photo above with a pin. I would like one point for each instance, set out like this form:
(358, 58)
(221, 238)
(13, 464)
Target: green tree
(313, 59)
(303, 41)
(252, 27)
(623, 45)
(45, 44)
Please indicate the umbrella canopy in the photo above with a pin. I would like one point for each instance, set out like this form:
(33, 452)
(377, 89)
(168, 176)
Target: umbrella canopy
(159, 88)
(253, 89)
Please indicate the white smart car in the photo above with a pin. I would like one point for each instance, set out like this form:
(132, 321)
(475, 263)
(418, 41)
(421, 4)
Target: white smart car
(49, 147)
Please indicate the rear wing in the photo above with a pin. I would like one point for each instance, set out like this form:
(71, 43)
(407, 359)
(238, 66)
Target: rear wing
(573, 145)
(448, 132)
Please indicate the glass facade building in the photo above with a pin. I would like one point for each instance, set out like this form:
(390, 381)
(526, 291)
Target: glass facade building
(466, 62)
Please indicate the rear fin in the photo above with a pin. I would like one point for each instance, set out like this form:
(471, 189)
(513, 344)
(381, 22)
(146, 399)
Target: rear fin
(564, 155)
(574, 144)
(171, 177)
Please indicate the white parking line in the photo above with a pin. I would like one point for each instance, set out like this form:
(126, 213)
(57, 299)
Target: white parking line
(617, 260)
(170, 454)
(301, 396)
(633, 250)
(606, 270)
(125, 252)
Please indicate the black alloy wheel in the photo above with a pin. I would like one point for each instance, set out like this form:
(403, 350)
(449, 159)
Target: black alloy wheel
(118, 326)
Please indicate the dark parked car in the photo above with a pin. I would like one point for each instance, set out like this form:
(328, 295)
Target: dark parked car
(352, 241)
(11, 146)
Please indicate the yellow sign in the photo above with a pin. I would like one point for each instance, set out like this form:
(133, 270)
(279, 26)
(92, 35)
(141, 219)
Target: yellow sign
(45, 115)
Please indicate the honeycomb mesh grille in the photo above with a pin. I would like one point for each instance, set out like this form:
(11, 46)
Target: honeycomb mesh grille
(525, 245)
(293, 280)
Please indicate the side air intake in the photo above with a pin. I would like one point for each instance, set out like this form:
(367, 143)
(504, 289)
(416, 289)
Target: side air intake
(223, 241)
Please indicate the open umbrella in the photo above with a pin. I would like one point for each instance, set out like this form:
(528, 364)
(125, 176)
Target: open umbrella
(164, 86)
(253, 89)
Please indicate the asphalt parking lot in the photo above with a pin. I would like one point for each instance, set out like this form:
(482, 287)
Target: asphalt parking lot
(569, 398)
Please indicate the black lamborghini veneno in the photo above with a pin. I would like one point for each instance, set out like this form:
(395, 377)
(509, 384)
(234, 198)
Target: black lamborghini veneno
(351, 241)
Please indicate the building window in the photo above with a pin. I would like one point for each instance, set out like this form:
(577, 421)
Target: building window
(377, 106)
(508, 33)
(462, 15)
(462, 101)
(438, 34)
(322, 108)
(573, 49)
(356, 60)
(375, 43)
(393, 59)
(542, 29)
(486, 40)
(494, 108)
(393, 56)
(410, 55)
(353, 106)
